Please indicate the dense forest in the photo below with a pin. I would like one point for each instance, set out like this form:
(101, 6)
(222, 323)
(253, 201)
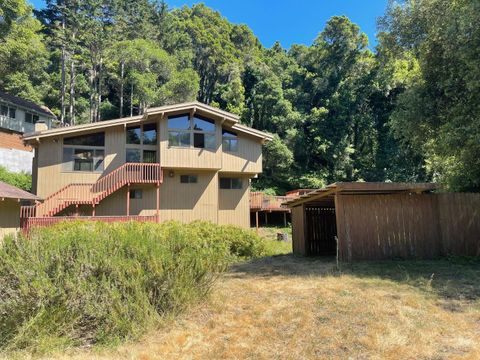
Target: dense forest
(407, 111)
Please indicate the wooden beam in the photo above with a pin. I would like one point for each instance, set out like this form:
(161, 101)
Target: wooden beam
(128, 200)
(256, 220)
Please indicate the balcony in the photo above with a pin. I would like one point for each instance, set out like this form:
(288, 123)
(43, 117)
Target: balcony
(18, 125)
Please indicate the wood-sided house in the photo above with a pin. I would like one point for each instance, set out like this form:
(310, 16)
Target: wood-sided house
(181, 162)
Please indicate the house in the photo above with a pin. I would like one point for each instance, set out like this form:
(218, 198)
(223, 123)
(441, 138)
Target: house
(375, 221)
(18, 116)
(181, 162)
(11, 198)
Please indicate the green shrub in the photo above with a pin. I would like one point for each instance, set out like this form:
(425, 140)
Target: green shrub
(82, 283)
(21, 180)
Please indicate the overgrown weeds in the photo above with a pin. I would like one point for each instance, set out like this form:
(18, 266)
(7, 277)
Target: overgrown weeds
(79, 284)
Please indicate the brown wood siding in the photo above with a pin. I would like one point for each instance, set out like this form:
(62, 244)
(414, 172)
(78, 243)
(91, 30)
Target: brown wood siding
(248, 159)
(298, 230)
(375, 227)
(12, 140)
(460, 223)
(9, 217)
(234, 205)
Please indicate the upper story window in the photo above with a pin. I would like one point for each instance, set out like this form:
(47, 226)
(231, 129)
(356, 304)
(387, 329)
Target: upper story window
(8, 111)
(197, 132)
(231, 183)
(229, 141)
(31, 118)
(84, 152)
(145, 134)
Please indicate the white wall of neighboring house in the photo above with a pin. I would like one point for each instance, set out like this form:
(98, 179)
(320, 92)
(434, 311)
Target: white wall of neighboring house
(16, 160)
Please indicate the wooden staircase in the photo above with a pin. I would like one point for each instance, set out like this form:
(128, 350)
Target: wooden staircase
(93, 193)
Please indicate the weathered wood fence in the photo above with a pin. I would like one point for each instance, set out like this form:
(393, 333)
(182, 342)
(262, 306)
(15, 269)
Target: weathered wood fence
(374, 227)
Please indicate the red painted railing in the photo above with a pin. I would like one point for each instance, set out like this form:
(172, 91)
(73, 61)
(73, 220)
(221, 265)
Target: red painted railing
(93, 193)
(30, 222)
(262, 202)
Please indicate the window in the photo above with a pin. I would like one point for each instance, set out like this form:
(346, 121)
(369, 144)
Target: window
(8, 111)
(198, 132)
(134, 135)
(150, 134)
(80, 159)
(31, 118)
(188, 179)
(84, 152)
(149, 156)
(229, 141)
(136, 194)
(133, 155)
(230, 183)
(97, 139)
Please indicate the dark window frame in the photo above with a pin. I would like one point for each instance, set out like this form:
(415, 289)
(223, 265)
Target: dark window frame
(231, 183)
(198, 138)
(188, 179)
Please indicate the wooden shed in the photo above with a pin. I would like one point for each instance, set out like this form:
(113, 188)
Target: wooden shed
(374, 221)
(11, 198)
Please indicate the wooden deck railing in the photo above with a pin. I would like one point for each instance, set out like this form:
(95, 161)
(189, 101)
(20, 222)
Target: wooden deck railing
(262, 202)
(93, 193)
(28, 223)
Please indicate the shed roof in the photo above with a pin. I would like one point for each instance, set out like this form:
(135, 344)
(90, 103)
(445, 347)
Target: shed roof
(12, 192)
(360, 188)
(29, 105)
(231, 120)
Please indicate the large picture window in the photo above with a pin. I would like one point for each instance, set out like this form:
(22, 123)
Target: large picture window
(197, 132)
(84, 153)
(141, 143)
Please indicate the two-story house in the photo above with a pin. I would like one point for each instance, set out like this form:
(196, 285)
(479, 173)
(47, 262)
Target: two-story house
(180, 162)
(18, 116)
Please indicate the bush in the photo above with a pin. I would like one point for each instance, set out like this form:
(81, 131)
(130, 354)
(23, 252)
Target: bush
(21, 180)
(79, 283)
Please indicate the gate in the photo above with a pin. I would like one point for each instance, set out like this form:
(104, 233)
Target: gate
(321, 228)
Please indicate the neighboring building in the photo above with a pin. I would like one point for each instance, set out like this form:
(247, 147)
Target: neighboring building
(179, 162)
(19, 116)
(10, 200)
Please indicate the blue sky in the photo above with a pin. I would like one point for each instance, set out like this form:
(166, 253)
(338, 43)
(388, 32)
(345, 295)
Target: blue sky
(290, 21)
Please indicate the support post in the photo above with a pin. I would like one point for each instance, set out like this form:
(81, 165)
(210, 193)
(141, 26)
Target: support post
(256, 220)
(76, 209)
(266, 219)
(158, 203)
(285, 219)
(93, 209)
(128, 200)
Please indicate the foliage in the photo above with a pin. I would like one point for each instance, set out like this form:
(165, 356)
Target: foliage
(91, 283)
(407, 111)
(21, 180)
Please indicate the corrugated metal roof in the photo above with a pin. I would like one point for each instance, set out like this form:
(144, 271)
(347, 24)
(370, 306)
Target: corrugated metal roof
(12, 192)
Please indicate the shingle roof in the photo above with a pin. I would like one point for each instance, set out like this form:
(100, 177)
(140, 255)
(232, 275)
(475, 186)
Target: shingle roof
(12, 192)
(26, 104)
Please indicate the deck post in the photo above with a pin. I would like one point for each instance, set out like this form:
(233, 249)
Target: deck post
(93, 209)
(266, 219)
(128, 200)
(76, 209)
(285, 219)
(158, 203)
(256, 220)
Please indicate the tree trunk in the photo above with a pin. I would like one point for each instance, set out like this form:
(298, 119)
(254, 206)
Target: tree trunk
(72, 92)
(100, 70)
(131, 100)
(63, 87)
(122, 74)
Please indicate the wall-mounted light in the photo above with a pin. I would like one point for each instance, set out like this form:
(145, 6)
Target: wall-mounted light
(171, 173)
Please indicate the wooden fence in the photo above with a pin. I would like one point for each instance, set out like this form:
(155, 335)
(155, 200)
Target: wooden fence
(374, 227)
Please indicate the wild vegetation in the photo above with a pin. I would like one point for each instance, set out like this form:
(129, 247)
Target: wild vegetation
(21, 180)
(406, 111)
(87, 283)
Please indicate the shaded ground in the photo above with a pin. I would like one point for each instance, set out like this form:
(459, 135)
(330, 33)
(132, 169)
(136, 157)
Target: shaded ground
(285, 307)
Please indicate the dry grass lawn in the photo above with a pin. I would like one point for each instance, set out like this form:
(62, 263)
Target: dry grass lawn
(285, 307)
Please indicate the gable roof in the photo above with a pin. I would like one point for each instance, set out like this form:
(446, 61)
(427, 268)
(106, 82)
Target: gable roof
(12, 192)
(15, 100)
(231, 120)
